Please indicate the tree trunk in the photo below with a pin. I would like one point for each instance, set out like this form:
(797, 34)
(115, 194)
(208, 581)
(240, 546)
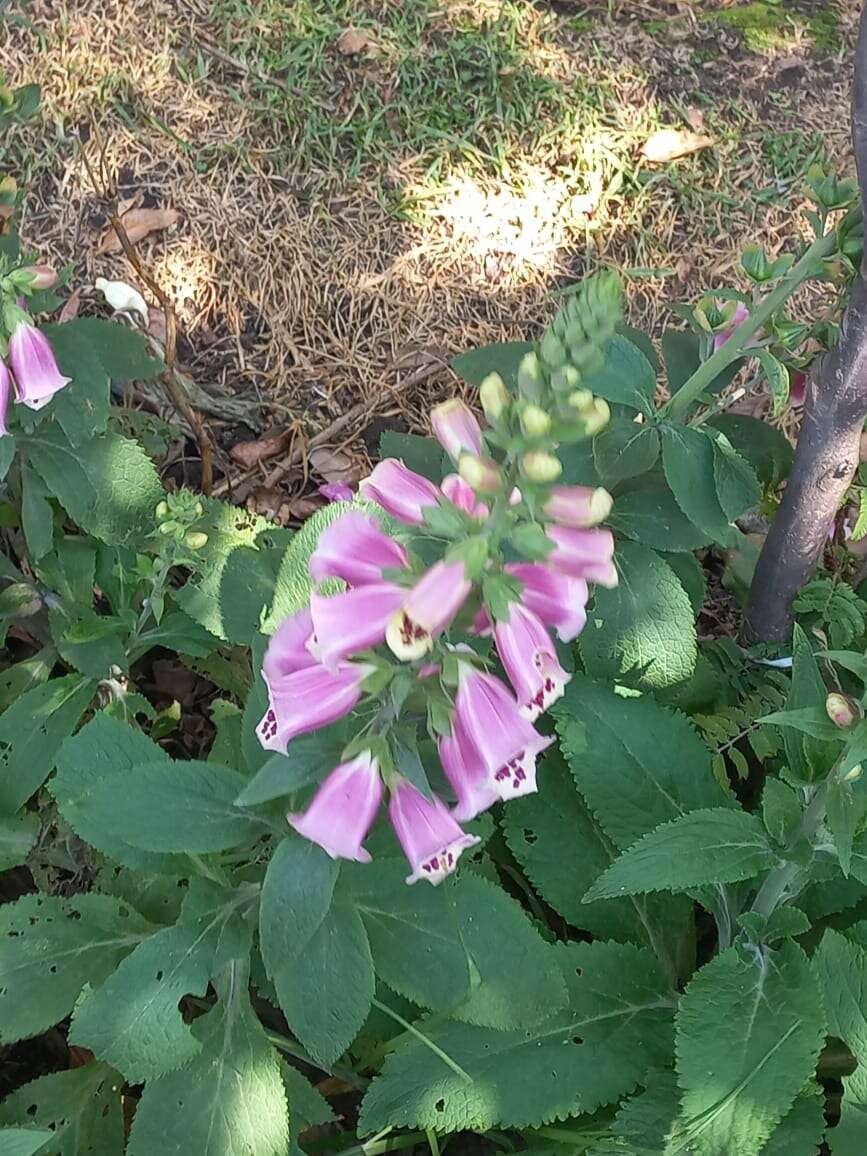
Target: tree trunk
(827, 454)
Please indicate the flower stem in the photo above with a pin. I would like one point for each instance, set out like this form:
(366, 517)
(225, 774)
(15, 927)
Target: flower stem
(422, 1038)
(778, 882)
(803, 269)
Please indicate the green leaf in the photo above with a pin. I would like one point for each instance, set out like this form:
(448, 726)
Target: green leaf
(589, 1053)
(229, 1100)
(414, 938)
(806, 757)
(17, 837)
(643, 631)
(764, 446)
(309, 757)
(781, 810)
(165, 806)
(719, 845)
(423, 455)
(37, 516)
(636, 764)
(563, 851)
(106, 749)
(306, 1106)
(644, 1120)
(806, 720)
(517, 981)
(92, 643)
(23, 1141)
(133, 1020)
(122, 352)
(178, 631)
(737, 486)
(80, 1107)
(503, 358)
(681, 351)
(626, 377)
(81, 407)
(777, 377)
(652, 516)
(688, 462)
(801, 1129)
(846, 806)
(756, 1025)
(690, 575)
(50, 948)
(624, 450)
(841, 969)
(31, 731)
(315, 952)
(107, 485)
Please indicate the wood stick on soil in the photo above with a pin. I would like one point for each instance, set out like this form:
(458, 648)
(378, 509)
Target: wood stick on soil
(827, 453)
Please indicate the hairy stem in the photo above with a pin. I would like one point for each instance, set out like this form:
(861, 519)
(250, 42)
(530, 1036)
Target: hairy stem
(827, 453)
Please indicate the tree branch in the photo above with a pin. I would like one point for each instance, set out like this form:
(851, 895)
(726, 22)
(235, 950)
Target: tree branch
(827, 453)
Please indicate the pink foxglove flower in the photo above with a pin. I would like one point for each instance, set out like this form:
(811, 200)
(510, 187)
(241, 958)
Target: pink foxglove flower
(5, 391)
(308, 699)
(555, 598)
(428, 609)
(34, 366)
(587, 554)
(507, 745)
(355, 549)
(343, 809)
(456, 429)
(337, 491)
(401, 492)
(530, 660)
(462, 495)
(578, 505)
(739, 316)
(474, 788)
(431, 839)
(346, 623)
(289, 647)
(39, 277)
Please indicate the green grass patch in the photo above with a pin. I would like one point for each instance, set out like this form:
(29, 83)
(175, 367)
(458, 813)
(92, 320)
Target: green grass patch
(774, 27)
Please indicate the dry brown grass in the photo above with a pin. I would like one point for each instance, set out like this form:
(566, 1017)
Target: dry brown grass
(312, 296)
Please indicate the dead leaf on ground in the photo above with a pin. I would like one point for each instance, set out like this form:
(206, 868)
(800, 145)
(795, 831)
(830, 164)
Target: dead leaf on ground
(695, 118)
(671, 143)
(334, 465)
(138, 224)
(354, 41)
(683, 268)
(69, 312)
(249, 454)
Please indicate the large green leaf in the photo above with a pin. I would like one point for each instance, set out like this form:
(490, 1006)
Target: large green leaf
(636, 764)
(643, 631)
(80, 1108)
(626, 376)
(18, 833)
(624, 449)
(720, 845)
(652, 516)
(749, 1032)
(106, 749)
(31, 732)
(562, 850)
(807, 757)
(503, 358)
(737, 486)
(133, 1020)
(81, 407)
(171, 807)
(764, 446)
(414, 938)
(800, 1131)
(107, 485)
(51, 947)
(644, 1120)
(229, 1100)
(424, 455)
(306, 1106)
(37, 514)
(841, 968)
(590, 1053)
(688, 461)
(23, 1141)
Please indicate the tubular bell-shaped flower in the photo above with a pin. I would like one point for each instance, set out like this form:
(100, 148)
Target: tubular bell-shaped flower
(427, 610)
(346, 623)
(355, 549)
(461, 494)
(5, 392)
(341, 812)
(555, 598)
(431, 839)
(289, 647)
(587, 554)
(456, 428)
(474, 788)
(506, 743)
(530, 660)
(308, 699)
(578, 505)
(401, 492)
(34, 366)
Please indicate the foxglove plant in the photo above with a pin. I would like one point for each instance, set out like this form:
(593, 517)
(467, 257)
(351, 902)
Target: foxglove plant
(445, 624)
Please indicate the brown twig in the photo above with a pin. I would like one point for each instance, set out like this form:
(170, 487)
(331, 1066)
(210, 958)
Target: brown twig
(168, 377)
(827, 453)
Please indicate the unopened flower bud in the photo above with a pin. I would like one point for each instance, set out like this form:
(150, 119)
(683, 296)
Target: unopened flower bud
(597, 417)
(534, 421)
(34, 277)
(565, 378)
(553, 350)
(494, 396)
(199, 509)
(162, 509)
(541, 467)
(196, 540)
(842, 710)
(581, 399)
(530, 378)
(483, 474)
(855, 773)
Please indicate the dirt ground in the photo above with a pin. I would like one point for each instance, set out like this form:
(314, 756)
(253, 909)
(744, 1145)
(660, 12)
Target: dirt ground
(364, 189)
